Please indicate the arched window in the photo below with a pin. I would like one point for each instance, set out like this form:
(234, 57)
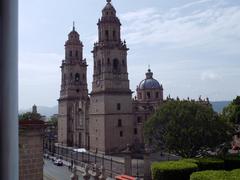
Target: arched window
(135, 131)
(119, 123)
(148, 95)
(118, 106)
(123, 62)
(107, 34)
(76, 53)
(121, 133)
(115, 65)
(77, 77)
(70, 53)
(108, 61)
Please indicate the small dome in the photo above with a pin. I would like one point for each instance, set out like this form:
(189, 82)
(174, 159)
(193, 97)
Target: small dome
(73, 38)
(73, 34)
(149, 82)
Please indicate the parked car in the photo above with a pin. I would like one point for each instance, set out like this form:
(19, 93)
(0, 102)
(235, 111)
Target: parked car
(81, 150)
(58, 162)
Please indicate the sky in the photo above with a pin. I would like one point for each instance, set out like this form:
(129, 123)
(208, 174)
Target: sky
(192, 46)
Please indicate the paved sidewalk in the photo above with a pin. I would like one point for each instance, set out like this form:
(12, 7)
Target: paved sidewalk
(47, 177)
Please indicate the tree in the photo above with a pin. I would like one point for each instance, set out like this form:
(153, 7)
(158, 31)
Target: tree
(186, 128)
(29, 116)
(53, 121)
(231, 113)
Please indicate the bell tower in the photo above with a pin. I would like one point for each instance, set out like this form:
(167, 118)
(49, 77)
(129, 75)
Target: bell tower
(110, 121)
(73, 101)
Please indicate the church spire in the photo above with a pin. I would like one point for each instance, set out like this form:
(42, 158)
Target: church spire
(73, 25)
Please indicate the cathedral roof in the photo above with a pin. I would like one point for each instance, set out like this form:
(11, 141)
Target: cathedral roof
(73, 37)
(73, 34)
(109, 7)
(149, 82)
(109, 14)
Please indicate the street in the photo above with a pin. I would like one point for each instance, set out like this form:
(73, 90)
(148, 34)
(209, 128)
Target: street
(53, 172)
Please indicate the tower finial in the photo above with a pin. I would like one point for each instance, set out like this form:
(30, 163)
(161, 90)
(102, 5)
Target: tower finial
(149, 67)
(108, 1)
(73, 25)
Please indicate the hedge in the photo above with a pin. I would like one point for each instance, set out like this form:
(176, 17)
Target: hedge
(232, 162)
(209, 175)
(210, 164)
(235, 174)
(191, 160)
(216, 175)
(171, 170)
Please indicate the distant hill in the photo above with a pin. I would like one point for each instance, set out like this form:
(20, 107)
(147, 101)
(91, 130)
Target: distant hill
(49, 111)
(219, 105)
(43, 110)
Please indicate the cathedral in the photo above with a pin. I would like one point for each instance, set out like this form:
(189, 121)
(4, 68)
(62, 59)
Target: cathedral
(108, 119)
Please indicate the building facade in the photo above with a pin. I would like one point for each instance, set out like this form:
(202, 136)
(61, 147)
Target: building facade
(31, 149)
(111, 98)
(74, 101)
(108, 120)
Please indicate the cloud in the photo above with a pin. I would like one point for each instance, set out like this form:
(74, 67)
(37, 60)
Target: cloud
(204, 23)
(208, 75)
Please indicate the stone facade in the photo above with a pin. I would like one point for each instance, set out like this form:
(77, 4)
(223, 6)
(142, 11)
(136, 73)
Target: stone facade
(74, 100)
(149, 98)
(110, 122)
(109, 119)
(31, 149)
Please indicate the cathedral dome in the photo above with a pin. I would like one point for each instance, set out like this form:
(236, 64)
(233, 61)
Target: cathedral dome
(149, 82)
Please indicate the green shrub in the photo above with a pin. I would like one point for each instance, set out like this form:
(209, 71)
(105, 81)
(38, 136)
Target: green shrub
(235, 174)
(209, 175)
(171, 170)
(191, 160)
(231, 162)
(216, 175)
(210, 164)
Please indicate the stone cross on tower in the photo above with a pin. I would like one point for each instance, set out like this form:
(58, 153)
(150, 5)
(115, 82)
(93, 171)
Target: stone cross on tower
(108, 1)
(73, 25)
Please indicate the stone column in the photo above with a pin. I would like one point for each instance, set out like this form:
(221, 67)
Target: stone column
(128, 165)
(31, 149)
(147, 166)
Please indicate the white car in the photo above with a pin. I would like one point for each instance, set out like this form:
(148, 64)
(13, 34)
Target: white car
(58, 162)
(80, 150)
